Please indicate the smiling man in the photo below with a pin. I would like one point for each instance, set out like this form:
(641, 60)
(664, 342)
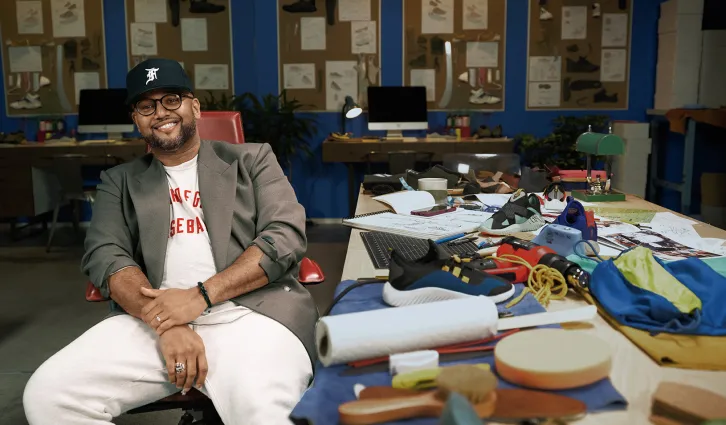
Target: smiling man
(197, 244)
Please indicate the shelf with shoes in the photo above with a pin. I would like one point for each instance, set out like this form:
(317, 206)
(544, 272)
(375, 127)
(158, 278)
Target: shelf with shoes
(579, 56)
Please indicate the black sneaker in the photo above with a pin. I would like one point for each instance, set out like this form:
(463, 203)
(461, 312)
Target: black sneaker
(202, 6)
(582, 65)
(300, 6)
(437, 276)
(603, 97)
(521, 214)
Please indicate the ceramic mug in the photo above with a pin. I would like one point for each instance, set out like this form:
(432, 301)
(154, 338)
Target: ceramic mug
(437, 187)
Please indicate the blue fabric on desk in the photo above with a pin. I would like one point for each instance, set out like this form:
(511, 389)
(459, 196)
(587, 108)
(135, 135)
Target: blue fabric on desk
(641, 309)
(319, 404)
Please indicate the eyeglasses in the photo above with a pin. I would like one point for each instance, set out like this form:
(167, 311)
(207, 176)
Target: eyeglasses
(171, 102)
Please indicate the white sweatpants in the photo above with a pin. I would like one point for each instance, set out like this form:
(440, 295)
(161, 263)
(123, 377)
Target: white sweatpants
(258, 371)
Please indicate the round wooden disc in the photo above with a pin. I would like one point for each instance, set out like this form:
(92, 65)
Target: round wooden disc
(552, 359)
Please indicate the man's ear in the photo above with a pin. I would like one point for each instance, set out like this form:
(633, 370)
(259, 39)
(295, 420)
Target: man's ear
(197, 108)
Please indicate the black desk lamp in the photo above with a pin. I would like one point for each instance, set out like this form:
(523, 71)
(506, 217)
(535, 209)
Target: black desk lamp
(350, 111)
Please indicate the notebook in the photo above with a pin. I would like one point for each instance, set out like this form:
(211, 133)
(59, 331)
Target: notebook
(406, 201)
(410, 225)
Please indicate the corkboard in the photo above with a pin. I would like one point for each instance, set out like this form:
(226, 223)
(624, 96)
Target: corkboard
(89, 55)
(338, 47)
(426, 52)
(169, 45)
(545, 39)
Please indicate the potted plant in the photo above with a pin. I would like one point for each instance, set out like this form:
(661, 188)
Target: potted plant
(558, 148)
(272, 119)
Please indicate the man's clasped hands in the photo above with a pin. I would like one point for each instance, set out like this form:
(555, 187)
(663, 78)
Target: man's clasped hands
(168, 312)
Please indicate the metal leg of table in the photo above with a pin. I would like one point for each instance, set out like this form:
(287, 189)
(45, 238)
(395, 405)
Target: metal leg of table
(352, 192)
(688, 162)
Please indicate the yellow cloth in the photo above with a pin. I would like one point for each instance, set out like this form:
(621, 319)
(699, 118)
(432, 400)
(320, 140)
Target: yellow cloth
(680, 351)
(642, 270)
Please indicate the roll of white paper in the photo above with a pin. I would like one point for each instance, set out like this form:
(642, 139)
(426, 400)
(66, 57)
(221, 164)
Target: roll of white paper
(357, 336)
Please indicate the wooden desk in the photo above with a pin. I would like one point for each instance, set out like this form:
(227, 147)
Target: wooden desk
(355, 151)
(19, 184)
(634, 374)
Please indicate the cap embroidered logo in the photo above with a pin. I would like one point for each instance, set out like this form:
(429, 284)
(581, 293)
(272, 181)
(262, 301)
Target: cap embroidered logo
(151, 75)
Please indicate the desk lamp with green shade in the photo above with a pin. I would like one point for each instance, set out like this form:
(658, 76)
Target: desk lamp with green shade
(598, 144)
(350, 110)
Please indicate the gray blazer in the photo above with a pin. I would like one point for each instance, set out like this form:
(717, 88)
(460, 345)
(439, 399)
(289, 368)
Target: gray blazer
(246, 200)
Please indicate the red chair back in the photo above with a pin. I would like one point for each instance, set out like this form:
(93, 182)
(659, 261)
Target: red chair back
(225, 126)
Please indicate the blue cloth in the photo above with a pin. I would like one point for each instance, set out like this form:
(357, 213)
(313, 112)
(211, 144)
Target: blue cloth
(639, 308)
(319, 404)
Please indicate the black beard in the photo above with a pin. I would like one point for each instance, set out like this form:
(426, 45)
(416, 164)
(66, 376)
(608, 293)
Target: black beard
(186, 133)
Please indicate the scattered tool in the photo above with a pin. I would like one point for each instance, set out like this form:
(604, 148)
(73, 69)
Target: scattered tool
(511, 403)
(475, 384)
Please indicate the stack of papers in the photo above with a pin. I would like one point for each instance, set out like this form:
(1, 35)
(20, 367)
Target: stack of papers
(410, 225)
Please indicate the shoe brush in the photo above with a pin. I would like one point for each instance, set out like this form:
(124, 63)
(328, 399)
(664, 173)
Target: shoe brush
(476, 384)
(423, 379)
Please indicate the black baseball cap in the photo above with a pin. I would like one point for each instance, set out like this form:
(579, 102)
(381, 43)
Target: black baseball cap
(153, 74)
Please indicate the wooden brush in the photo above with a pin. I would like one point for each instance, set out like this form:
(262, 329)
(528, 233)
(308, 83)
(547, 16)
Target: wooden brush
(476, 384)
(510, 404)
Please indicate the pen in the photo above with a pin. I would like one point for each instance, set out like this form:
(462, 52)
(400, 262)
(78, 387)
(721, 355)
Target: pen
(450, 238)
(462, 241)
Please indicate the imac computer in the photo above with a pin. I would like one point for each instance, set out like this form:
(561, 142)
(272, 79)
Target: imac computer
(104, 111)
(396, 109)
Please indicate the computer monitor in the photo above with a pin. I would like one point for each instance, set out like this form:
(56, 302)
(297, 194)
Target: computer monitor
(104, 111)
(397, 108)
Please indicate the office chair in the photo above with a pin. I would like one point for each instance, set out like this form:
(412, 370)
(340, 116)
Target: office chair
(224, 126)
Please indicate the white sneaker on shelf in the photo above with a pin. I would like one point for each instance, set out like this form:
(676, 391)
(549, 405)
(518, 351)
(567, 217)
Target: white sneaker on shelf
(29, 101)
(44, 81)
(596, 10)
(544, 14)
(464, 77)
(480, 97)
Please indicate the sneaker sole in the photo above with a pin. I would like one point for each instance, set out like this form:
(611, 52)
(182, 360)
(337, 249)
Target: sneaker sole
(397, 298)
(534, 223)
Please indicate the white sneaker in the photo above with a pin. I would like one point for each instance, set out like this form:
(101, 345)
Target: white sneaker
(464, 77)
(544, 14)
(480, 97)
(44, 81)
(596, 10)
(29, 101)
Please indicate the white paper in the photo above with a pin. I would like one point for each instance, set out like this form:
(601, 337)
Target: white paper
(211, 77)
(669, 217)
(426, 78)
(312, 33)
(69, 18)
(463, 216)
(545, 94)
(476, 14)
(614, 63)
(85, 80)
(25, 59)
(363, 37)
(341, 79)
(150, 10)
(299, 75)
(482, 54)
(354, 10)
(194, 34)
(406, 201)
(30, 17)
(437, 16)
(343, 338)
(574, 22)
(493, 199)
(143, 39)
(545, 68)
(615, 30)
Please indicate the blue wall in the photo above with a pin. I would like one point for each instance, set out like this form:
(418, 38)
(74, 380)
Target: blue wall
(322, 188)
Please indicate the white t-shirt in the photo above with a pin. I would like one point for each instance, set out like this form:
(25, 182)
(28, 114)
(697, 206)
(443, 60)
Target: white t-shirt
(189, 256)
